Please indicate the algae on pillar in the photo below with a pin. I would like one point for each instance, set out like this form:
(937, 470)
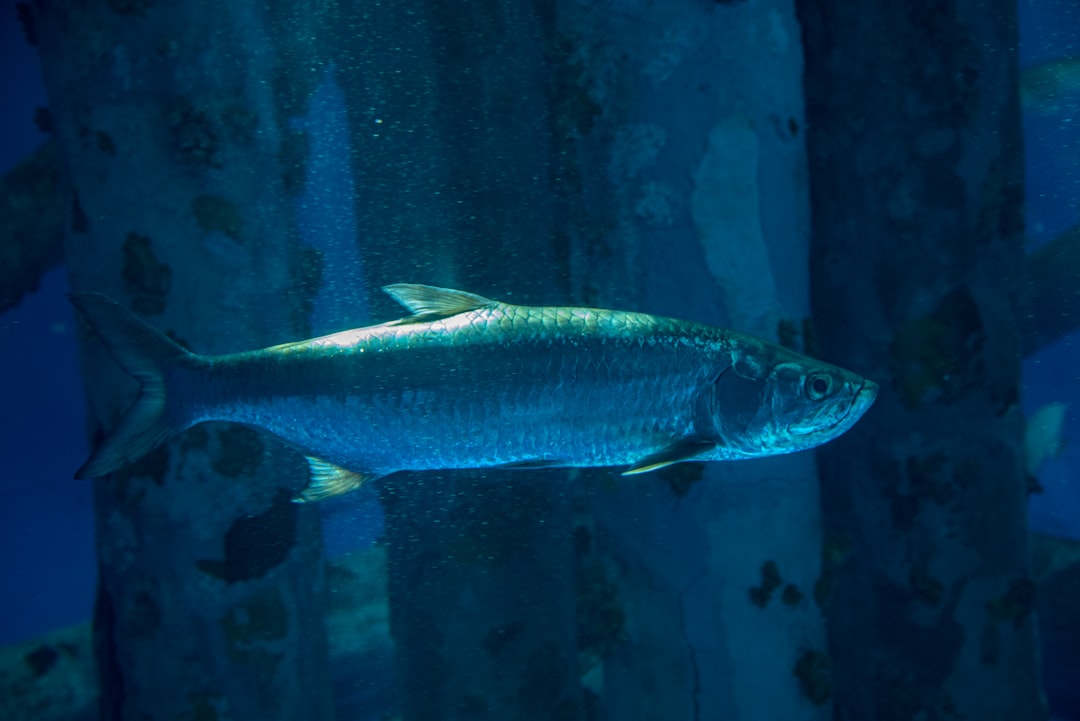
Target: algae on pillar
(211, 595)
(685, 125)
(916, 178)
(451, 149)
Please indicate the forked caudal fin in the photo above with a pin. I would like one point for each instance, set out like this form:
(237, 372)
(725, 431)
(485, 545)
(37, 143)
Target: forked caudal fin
(144, 352)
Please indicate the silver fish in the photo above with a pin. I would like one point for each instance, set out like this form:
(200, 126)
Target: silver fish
(1052, 86)
(469, 382)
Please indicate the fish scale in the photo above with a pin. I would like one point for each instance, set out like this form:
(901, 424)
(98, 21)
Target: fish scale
(469, 382)
(501, 399)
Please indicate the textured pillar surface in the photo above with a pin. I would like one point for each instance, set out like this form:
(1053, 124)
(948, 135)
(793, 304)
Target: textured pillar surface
(685, 121)
(916, 186)
(176, 203)
(449, 127)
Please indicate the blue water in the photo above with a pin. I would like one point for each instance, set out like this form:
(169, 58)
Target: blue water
(326, 210)
(46, 521)
(46, 518)
(326, 213)
(1050, 30)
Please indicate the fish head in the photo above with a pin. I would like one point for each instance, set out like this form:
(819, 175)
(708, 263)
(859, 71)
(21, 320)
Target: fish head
(775, 401)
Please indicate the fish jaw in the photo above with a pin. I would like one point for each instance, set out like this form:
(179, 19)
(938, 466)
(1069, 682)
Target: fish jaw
(835, 417)
(773, 401)
(861, 400)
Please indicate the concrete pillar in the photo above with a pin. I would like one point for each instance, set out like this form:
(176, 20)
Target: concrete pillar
(171, 138)
(449, 121)
(686, 123)
(917, 264)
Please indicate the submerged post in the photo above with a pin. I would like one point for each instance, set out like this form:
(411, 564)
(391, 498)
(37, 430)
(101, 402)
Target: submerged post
(916, 181)
(685, 121)
(210, 601)
(449, 127)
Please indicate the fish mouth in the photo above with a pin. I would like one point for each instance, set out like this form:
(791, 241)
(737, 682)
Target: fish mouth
(864, 398)
(860, 403)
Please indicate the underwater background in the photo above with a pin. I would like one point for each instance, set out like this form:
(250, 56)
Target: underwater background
(890, 189)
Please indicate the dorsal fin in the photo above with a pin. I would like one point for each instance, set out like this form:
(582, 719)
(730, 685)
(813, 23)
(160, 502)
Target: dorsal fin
(426, 301)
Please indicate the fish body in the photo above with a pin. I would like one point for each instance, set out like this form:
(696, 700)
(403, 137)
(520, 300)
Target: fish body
(1051, 86)
(469, 382)
(1044, 436)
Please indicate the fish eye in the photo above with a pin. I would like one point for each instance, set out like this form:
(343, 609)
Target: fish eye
(818, 386)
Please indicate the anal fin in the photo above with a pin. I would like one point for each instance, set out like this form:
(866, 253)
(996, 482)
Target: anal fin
(683, 450)
(327, 480)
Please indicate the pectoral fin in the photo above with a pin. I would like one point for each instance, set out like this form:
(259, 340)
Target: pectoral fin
(684, 450)
(327, 480)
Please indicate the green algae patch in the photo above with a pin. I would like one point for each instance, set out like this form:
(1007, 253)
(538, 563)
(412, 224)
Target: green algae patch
(216, 214)
(105, 143)
(787, 333)
(79, 222)
(680, 477)
(576, 111)
(761, 594)
(835, 549)
(306, 278)
(240, 452)
(543, 692)
(41, 660)
(154, 465)
(473, 705)
(499, 638)
(931, 480)
(201, 710)
(792, 596)
(601, 619)
(256, 544)
(1015, 605)
(926, 589)
(811, 346)
(293, 154)
(938, 357)
(195, 136)
(253, 631)
(259, 619)
(144, 617)
(146, 279)
(196, 438)
(814, 673)
(130, 7)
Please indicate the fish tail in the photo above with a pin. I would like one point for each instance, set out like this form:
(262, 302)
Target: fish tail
(145, 353)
